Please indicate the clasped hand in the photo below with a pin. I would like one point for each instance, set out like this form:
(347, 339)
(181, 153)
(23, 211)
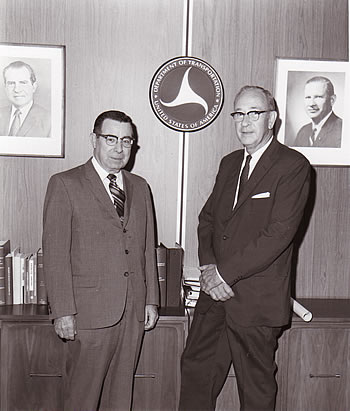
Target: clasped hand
(212, 285)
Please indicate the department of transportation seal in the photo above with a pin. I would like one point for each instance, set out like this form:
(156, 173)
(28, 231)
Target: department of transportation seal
(186, 94)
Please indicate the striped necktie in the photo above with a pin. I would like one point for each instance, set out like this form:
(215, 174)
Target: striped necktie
(118, 195)
(16, 123)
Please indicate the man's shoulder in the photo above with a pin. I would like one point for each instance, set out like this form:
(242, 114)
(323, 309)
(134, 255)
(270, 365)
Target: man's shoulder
(36, 108)
(288, 156)
(71, 173)
(134, 178)
(233, 156)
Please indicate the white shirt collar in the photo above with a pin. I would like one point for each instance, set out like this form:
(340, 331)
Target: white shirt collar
(321, 123)
(103, 174)
(24, 111)
(256, 155)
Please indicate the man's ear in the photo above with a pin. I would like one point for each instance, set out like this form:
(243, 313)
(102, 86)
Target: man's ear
(35, 86)
(93, 138)
(272, 119)
(333, 99)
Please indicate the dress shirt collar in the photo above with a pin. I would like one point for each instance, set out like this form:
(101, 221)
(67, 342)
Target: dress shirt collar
(256, 156)
(103, 174)
(24, 111)
(321, 123)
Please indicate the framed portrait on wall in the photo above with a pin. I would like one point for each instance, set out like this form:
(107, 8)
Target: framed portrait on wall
(32, 100)
(312, 96)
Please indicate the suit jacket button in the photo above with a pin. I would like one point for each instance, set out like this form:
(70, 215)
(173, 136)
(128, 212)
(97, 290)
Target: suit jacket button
(224, 237)
(124, 230)
(126, 251)
(126, 274)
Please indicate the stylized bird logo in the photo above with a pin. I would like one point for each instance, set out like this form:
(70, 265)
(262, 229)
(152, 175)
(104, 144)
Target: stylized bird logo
(186, 95)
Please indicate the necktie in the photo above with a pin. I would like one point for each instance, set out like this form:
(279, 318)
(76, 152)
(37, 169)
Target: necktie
(117, 194)
(313, 137)
(244, 175)
(16, 123)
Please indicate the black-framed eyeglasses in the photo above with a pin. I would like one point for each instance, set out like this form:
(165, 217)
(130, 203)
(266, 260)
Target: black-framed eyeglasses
(253, 115)
(113, 140)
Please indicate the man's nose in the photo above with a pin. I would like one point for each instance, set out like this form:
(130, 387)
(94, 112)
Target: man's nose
(16, 87)
(119, 146)
(246, 120)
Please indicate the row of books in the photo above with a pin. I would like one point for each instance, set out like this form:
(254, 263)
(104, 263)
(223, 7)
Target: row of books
(170, 267)
(21, 276)
(191, 289)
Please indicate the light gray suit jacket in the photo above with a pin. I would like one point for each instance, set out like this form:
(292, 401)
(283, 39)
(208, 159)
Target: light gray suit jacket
(36, 124)
(89, 257)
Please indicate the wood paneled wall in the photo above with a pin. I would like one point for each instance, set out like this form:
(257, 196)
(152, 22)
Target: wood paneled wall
(113, 47)
(242, 39)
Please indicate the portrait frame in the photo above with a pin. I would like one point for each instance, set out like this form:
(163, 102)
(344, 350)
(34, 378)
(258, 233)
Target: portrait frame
(291, 76)
(44, 128)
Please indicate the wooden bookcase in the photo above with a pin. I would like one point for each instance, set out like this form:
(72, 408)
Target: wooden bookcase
(313, 362)
(31, 362)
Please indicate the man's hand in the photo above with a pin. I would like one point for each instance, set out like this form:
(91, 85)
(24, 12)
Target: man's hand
(212, 284)
(209, 278)
(65, 327)
(151, 316)
(222, 292)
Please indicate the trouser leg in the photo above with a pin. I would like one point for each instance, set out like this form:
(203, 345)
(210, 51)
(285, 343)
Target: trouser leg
(253, 352)
(118, 386)
(205, 361)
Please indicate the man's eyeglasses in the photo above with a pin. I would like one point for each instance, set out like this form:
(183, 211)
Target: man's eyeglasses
(113, 140)
(253, 115)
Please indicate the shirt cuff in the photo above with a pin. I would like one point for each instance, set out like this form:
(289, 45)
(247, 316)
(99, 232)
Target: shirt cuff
(217, 272)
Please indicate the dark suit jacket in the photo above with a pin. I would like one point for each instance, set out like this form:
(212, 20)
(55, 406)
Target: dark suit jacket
(36, 124)
(329, 135)
(252, 244)
(89, 257)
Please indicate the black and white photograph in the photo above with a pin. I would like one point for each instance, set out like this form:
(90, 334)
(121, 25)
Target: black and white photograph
(311, 96)
(175, 205)
(32, 100)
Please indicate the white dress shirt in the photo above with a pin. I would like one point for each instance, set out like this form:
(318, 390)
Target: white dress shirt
(24, 112)
(105, 180)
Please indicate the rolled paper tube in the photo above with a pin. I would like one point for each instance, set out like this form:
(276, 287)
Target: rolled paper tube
(301, 311)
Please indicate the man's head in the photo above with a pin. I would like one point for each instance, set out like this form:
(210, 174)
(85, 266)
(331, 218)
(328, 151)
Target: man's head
(112, 140)
(254, 116)
(319, 98)
(20, 83)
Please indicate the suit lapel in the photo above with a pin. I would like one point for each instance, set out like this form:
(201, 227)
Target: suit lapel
(266, 161)
(98, 191)
(229, 188)
(128, 189)
(29, 122)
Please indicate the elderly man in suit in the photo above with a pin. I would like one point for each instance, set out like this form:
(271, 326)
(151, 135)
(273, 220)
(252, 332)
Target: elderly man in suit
(326, 127)
(23, 118)
(246, 230)
(100, 268)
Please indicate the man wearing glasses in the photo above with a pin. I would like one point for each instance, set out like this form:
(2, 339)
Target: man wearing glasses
(100, 268)
(246, 231)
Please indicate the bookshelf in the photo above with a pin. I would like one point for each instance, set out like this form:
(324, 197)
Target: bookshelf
(31, 365)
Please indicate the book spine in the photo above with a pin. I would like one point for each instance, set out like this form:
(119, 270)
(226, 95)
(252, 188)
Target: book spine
(2, 281)
(174, 276)
(17, 282)
(4, 250)
(8, 280)
(161, 253)
(41, 288)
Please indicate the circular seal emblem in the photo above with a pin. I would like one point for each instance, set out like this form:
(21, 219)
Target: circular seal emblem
(186, 94)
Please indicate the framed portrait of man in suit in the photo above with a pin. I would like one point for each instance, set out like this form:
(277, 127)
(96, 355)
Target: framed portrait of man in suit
(312, 97)
(32, 104)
